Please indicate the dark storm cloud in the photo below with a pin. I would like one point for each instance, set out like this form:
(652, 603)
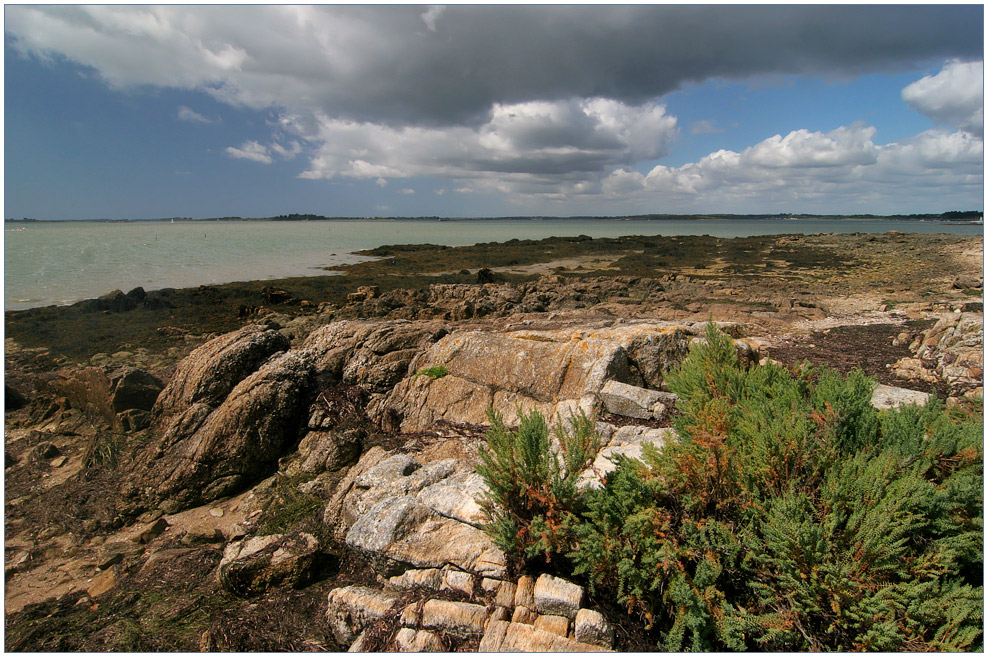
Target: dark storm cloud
(479, 55)
(406, 64)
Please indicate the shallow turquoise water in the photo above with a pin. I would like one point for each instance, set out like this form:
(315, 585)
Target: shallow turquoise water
(63, 262)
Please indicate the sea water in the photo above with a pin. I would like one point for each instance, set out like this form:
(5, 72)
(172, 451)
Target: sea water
(49, 263)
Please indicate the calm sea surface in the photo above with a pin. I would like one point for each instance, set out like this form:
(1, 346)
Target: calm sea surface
(63, 262)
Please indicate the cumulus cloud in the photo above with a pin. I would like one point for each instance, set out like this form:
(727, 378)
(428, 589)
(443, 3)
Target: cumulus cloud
(189, 114)
(840, 168)
(542, 102)
(286, 152)
(953, 97)
(431, 15)
(522, 146)
(805, 149)
(251, 150)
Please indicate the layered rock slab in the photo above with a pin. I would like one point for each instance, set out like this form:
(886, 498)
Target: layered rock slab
(554, 372)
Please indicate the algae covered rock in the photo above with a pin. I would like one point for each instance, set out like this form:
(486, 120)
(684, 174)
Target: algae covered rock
(253, 565)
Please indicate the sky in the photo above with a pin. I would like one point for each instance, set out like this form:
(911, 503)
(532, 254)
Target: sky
(137, 112)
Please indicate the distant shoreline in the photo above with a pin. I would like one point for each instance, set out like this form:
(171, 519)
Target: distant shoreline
(967, 217)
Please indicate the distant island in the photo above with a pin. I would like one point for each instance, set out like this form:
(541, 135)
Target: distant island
(967, 216)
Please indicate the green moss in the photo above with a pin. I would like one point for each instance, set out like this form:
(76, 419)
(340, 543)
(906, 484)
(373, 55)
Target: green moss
(435, 372)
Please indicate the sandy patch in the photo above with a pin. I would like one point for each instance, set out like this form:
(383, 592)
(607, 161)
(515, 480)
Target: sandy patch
(583, 263)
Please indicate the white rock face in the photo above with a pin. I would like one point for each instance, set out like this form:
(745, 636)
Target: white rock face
(409, 640)
(892, 397)
(459, 619)
(555, 596)
(591, 627)
(626, 441)
(424, 578)
(352, 608)
(502, 636)
(457, 497)
(631, 401)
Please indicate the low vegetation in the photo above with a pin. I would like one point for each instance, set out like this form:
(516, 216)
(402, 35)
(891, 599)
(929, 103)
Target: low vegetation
(787, 514)
(532, 487)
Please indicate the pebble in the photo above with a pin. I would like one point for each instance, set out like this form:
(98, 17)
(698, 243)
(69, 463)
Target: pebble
(216, 512)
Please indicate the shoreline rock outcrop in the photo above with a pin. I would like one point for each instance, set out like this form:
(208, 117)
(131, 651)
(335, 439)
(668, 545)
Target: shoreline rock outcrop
(225, 419)
(555, 372)
(951, 351)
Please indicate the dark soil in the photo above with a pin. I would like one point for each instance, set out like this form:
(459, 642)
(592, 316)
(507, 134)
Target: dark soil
(867, 347)
(176, 606)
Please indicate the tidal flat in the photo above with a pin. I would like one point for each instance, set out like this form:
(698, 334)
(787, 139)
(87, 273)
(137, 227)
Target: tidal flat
(750, 273)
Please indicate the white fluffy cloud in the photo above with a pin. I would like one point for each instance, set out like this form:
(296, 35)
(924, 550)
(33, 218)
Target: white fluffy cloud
(953, 97)
(251, 150)
(565, 109)
(258, 152)
(840, 168)
(524, 146)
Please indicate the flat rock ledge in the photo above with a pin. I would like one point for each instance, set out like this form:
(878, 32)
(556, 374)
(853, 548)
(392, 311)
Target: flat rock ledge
(502, 615)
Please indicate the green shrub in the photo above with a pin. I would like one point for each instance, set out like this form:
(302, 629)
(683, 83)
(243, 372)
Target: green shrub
(532, 494)
(789, 515)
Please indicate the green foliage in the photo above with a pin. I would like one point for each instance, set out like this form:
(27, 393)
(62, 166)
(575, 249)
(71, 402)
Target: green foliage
(532, 494)
(435, 372)
(789, 515)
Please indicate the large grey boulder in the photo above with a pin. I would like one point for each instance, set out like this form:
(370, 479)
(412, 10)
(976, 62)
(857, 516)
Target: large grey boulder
(557, 597)
(892, 397)
(374, 355)
(206, 453)
(403, 514)
(395, 476)
(554, 372)
(457, 497)
(631, 401)
(591, 627)
(211, 371)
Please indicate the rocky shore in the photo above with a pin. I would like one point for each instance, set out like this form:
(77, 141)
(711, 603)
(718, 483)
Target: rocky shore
(293, 465)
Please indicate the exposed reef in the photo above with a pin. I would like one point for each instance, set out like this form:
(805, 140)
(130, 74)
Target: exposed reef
(293, 465)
